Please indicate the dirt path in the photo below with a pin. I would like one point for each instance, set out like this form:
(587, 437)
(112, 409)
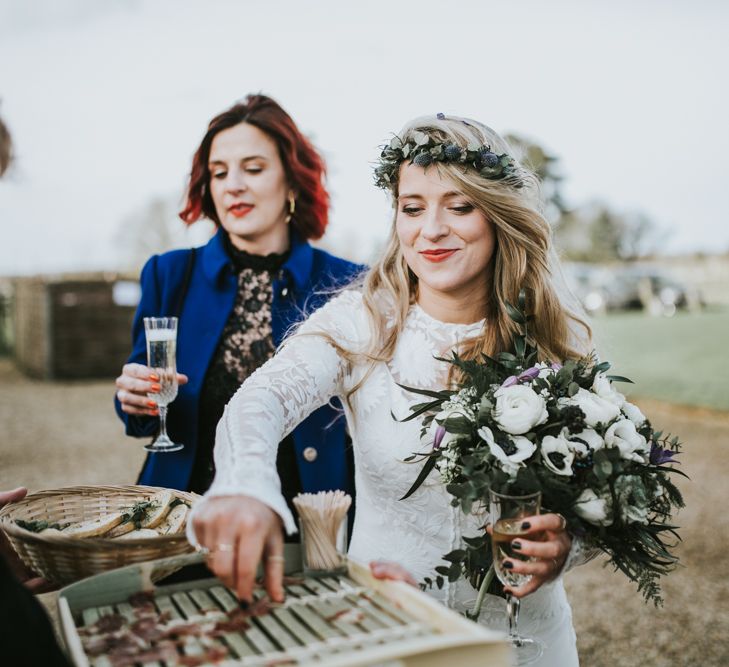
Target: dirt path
(61, 434)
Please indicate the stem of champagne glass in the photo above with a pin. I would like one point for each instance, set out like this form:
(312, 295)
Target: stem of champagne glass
(162, 423)
(512, 609)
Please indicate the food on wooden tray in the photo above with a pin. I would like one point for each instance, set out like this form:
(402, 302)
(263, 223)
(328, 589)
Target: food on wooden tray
(95, 527)
(175, 521)
(162, 514)
(206, 625)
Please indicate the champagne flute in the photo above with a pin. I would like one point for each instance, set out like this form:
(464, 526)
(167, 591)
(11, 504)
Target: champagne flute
(507, 514)
(161, 350)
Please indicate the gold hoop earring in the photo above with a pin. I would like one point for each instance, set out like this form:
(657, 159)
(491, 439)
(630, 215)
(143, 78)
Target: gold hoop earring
(292, 207)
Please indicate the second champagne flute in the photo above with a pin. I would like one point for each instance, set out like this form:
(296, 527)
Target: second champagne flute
(161, 335)
(507, 513)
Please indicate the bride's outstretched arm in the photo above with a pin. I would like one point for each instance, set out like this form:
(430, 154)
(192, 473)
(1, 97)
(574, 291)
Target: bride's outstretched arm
(239, 520)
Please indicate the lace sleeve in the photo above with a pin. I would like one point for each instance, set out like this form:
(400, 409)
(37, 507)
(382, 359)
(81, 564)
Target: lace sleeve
(304, 375)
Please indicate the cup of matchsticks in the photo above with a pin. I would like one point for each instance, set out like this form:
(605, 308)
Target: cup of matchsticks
(323, 526)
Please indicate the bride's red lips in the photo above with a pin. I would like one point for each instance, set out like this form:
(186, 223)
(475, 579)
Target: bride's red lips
(438, 254)
(239, 210)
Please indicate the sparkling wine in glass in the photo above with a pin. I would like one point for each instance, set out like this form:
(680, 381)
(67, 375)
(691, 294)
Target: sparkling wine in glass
(507, 515)
(161, 350)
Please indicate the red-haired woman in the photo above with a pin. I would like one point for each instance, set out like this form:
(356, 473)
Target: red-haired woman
(261, 181)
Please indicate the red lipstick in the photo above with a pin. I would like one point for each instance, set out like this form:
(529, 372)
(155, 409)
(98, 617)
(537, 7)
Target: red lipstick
(240, 210)
(438, 254)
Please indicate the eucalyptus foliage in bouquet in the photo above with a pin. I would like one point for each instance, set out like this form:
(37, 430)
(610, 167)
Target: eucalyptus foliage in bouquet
(519, 426)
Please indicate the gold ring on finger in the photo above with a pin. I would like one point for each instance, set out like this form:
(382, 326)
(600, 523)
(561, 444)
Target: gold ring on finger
(276, 559)
(223, 548)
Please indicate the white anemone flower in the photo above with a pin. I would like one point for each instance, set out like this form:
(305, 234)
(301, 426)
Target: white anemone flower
(511, 453)
(557, 455)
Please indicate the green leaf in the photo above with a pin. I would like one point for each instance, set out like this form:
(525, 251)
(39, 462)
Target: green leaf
(440, 395)
(455, 556)
(515, 314)
(573, 388)
(458, 424)
(619, 378)
(424, 472)
(519, 345)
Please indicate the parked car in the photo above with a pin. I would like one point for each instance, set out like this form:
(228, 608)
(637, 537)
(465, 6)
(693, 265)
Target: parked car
(629, 287)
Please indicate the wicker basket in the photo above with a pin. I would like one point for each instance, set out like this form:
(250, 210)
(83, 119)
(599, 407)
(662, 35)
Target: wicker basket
(62, 559)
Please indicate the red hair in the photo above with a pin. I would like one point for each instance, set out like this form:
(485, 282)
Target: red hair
(304, 167)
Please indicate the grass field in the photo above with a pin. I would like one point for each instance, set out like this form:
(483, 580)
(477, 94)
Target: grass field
(682, 359)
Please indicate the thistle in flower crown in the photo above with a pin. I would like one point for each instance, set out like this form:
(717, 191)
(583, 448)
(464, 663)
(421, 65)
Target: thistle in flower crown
(518, 425)
(423, 151)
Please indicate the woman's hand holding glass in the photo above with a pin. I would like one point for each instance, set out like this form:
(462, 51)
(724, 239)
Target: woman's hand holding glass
(133, 386)
(238, 532)
(549, 547)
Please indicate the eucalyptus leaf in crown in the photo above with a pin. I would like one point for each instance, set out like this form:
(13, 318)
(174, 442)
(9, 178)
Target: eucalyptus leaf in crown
(423, 151)
(518, 425)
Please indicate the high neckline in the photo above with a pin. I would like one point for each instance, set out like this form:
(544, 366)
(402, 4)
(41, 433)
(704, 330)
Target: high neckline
(458, 327)
(246, 260)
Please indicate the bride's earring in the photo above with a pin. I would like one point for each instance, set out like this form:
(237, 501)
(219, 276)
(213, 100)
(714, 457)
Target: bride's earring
(292, 207)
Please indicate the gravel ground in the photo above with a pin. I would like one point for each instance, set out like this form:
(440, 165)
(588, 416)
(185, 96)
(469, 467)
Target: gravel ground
(62, 434)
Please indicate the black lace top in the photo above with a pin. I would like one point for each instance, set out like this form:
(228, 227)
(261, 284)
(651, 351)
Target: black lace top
(245, 344)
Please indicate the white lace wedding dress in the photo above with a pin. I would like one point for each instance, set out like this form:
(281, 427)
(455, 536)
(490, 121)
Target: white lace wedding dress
(305, 374)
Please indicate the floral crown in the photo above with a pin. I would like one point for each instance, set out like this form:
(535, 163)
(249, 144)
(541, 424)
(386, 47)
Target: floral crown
(422, 150)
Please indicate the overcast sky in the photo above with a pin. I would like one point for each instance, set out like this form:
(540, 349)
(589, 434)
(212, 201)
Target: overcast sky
(107, 101)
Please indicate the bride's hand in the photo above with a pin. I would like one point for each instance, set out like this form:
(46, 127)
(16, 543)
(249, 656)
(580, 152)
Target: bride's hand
(385, 569)
(550, 548)
(238, 532)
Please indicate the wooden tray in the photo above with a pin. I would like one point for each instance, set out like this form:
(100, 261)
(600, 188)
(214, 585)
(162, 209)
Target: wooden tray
(342, 621)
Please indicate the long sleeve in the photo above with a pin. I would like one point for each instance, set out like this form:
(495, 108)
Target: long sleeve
(304, 375)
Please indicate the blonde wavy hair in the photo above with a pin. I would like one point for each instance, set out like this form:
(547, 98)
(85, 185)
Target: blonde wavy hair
(523, 259)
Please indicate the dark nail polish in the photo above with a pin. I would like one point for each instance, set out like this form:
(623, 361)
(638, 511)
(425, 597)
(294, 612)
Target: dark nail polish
(525, 525)
(244, 605)
(516, 545)
(508, 565)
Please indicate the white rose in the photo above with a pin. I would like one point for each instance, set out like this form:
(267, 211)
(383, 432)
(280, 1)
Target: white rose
(604, 389)
(632, 445)
(593, 508)
(584, 441)
(596, 409)
(512, 453)
(633, 413)
(518, 409)
(557, 455)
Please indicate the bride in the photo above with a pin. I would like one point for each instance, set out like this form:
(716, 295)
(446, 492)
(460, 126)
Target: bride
(467, 236)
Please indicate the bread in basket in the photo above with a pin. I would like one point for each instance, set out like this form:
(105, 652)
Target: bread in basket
(65, 558)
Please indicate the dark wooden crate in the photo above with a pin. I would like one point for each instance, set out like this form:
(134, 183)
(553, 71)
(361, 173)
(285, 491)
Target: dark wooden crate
(70, 327)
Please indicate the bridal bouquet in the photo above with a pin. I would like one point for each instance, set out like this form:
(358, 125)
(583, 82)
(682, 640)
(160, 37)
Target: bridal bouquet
(519, 426)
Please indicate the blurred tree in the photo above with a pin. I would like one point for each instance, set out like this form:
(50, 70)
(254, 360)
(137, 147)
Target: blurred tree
(155, 228)
(598, 233)
(147, 231)
(592, 233)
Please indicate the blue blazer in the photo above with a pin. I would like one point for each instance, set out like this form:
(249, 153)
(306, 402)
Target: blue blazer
(307, 276)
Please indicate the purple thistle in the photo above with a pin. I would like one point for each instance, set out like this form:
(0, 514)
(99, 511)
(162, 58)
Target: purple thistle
(659, 456)
(525, 376)
(439, 434)
(529, 374)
